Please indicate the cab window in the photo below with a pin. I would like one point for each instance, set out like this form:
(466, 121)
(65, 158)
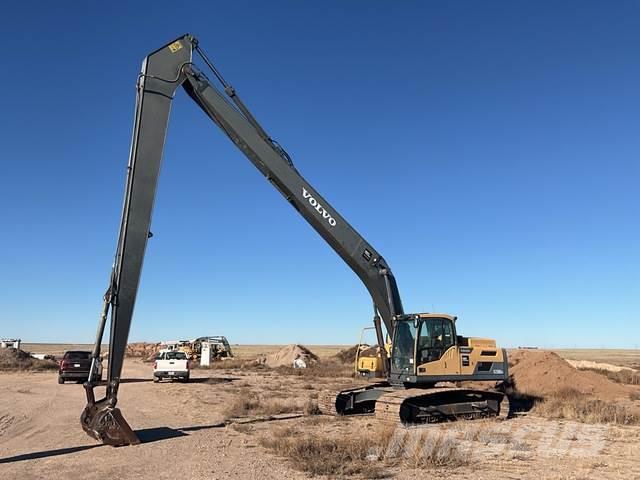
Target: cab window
(77, 355)
(176, 355)
(403, 345)
(436, 336)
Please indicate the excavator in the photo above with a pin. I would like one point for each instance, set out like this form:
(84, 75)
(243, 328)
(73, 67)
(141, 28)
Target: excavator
(426, 375)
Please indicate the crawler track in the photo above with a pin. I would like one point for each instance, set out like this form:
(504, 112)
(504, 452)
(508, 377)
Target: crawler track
(416, 405)
(327, 402)
(343, 402)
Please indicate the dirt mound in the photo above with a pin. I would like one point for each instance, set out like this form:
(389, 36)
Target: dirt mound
(16, 359)
(296, 356)
(348, 355)
(372, 351)
(542, 373)
(145, 351)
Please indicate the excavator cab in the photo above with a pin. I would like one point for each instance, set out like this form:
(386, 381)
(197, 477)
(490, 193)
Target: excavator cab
(426, 350)
(420, 339)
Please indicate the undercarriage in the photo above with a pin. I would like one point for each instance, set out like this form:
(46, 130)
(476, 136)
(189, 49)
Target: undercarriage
(414, 406)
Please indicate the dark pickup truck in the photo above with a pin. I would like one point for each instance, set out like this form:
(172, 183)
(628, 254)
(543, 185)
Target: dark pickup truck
(75, 365)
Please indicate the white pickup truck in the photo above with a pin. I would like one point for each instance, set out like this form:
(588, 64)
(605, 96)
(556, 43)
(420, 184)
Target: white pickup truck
(171, 364)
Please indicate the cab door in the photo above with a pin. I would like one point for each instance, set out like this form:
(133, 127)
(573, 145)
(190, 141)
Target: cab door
(437, 352)
(403, 351)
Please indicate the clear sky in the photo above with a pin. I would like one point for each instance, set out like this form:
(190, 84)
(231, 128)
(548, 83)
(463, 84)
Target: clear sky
(489, 150)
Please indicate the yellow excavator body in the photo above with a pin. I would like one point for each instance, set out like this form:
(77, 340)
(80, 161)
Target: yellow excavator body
(478, 355)
(430, 370)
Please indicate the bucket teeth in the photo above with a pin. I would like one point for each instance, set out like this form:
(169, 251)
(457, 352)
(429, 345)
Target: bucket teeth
(106, 424)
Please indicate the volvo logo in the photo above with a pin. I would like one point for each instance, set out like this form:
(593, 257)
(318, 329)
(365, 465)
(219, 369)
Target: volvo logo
(319, 208)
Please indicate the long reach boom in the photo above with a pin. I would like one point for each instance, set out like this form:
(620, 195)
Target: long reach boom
(163, 71)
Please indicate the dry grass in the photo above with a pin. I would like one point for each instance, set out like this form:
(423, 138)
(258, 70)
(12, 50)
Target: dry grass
(622, 357)
(325, 369)
(435, 451)
(485, 432)
(572, 405)
(247, 403)
(336, 456)
(627, 377)
(311, 407)
(242, 428)
(315, 420)
(365, 453)
(58, 349)
(232, 364)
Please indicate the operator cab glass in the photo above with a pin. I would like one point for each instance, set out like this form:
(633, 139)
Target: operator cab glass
(436, 337)
(404, 340)
(419, 340)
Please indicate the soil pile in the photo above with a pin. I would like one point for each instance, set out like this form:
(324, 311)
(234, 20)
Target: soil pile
(296, 356)
(348, 355)
(373, 351)
(541, 373)
(145, 351)
(16, 359)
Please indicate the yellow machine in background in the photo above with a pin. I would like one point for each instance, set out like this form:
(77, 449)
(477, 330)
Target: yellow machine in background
(368, 362)
(218, 346)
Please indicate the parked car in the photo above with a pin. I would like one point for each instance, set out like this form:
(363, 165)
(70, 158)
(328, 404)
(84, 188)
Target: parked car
(75, 365)
(172, 364)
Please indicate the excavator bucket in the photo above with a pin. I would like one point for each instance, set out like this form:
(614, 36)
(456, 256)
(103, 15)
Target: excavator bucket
(105, 423)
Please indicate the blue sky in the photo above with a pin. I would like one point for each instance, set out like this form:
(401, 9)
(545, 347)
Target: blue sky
(489, 150)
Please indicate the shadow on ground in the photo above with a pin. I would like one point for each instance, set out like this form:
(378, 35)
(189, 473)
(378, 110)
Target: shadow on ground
(150, 435)
(147, 435)
(213, 380)
(48, 453)
(520, 402)
(103, 383)
(210, 380)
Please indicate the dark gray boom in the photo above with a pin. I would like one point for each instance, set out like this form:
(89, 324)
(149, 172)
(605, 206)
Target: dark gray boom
(163, 71)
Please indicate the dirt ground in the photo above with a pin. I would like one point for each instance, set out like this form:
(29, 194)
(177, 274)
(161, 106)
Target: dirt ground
(239, 351)
(185, 435)
(625, 358)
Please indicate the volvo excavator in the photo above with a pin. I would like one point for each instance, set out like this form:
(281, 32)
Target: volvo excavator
(428, 359)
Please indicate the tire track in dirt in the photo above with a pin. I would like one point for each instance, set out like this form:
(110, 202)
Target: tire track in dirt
(6, 421)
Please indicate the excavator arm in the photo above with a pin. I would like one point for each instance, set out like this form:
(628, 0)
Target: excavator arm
(163, 71)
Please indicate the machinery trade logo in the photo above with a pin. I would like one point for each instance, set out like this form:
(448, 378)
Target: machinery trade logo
(320, 209)
(480, 441)
(175, 46)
